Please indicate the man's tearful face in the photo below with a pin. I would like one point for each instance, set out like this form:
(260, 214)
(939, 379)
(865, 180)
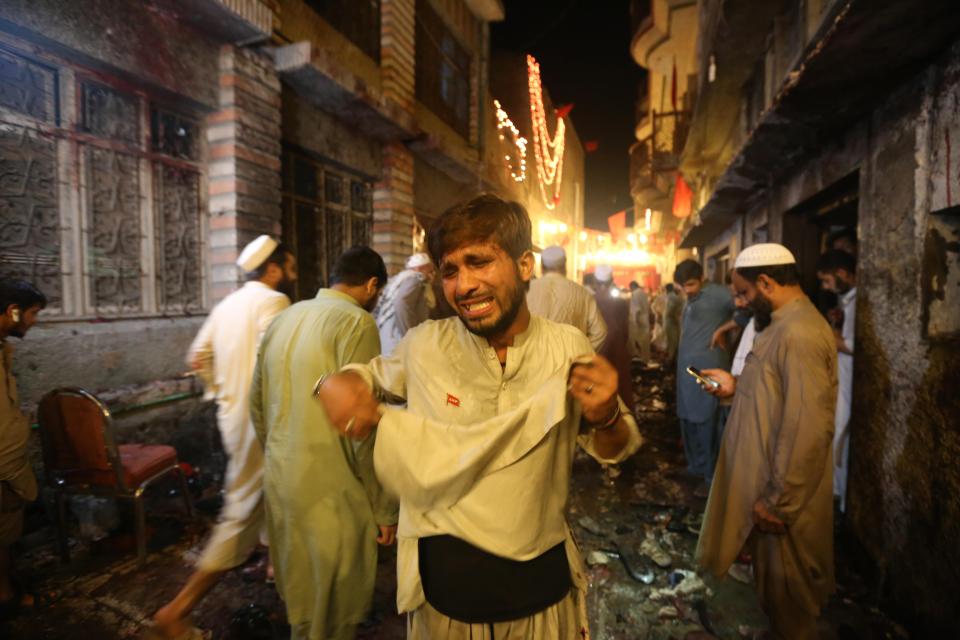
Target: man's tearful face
(483, 284)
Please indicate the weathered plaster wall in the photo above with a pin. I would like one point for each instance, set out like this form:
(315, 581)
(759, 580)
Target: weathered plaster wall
(306, 126)
(101, 355)
(905, 465)
(140, 39)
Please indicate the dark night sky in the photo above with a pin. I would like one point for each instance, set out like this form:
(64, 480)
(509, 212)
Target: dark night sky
(584, 55)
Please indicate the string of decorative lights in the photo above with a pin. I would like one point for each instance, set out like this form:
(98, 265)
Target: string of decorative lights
(548, 151)
(504, 123)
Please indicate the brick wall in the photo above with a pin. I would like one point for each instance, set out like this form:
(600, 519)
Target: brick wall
(244, 156)
(393, 193)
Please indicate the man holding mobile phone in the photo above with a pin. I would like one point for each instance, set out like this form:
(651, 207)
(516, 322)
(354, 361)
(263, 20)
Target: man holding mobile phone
(773, 488)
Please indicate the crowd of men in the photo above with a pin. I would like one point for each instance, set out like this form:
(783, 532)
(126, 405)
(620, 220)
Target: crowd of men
(352, 419)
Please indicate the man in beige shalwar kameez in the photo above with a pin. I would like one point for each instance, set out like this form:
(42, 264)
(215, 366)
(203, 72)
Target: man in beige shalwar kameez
(497, 400)
(773, 486)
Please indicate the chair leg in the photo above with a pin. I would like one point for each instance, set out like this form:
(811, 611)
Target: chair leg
(185, 490)
(141, 524)
(62, 543)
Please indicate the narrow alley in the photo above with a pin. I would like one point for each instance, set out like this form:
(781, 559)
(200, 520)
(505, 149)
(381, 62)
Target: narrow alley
(525, 319)
(638, 590)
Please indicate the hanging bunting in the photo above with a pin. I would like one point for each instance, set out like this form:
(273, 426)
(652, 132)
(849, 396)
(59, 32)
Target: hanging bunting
(682, 198)
(548, 151)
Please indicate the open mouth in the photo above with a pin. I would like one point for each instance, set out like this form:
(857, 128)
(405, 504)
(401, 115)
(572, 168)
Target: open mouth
(477, 308)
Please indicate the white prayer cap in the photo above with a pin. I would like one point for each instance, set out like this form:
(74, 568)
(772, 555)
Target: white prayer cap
(417, 260)
(256, 253)
(553, 257)
(603, 273)
(766, 254)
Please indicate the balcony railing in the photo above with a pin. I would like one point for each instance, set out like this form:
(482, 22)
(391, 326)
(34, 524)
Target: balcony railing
(659, 152)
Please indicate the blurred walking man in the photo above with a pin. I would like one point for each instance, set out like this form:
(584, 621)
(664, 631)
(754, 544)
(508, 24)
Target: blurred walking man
(772, 492)
(223, 354)
(20, 303)
(497, 400)
(325, 508)
(639, 323)
(557, 298)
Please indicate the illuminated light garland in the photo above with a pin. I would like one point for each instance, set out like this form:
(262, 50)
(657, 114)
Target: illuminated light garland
(548, 151)
(504, 123)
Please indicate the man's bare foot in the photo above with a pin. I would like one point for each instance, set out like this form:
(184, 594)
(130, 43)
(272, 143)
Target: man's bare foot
(167, 623)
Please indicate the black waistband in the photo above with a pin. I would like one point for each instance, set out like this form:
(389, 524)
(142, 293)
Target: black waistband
(468, 584)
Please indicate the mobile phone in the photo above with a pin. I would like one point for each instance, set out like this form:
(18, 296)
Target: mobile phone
(693, 371)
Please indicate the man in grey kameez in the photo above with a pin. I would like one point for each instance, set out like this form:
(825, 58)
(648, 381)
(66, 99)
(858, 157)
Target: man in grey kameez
(772, 492)
(708, 306)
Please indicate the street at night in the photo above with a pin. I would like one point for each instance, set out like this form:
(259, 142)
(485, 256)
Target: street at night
(479, 319)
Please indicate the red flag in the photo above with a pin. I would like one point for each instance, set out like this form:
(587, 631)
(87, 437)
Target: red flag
(673, 85)
(564, 110)
(617, 223)
(590, 146)
(682, 198)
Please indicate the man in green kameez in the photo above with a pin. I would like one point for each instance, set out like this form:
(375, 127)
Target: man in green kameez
(325, 509)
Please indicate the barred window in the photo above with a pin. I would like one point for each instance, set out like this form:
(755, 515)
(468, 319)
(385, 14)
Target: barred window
(101, 192)
(326, 210)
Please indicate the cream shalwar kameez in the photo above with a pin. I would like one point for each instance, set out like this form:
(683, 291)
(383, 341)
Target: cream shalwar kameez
(227, 348)
(484, 453)
(777, 447)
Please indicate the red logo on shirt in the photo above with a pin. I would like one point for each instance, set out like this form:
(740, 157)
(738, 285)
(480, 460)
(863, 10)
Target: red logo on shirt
(452, 399)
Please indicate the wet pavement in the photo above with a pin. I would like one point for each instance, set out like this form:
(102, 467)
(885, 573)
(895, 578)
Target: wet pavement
(636, 526)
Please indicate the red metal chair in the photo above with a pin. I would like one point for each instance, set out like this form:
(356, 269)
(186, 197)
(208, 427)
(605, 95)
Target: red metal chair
(81, 456)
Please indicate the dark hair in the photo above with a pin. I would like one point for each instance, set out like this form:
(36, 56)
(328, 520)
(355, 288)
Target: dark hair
(845, 233)
(485, 218)
(687, 270)
(21, 293)
(633, 285)
(669, 287)
(356, 265)
(782, 274)
(278, 257)
(835, 259)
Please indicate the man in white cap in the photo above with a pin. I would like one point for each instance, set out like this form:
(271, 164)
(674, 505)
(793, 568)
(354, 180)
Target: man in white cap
(773, 488)
(224, 354)
(405, 302)
(556, 298)
(616, 314)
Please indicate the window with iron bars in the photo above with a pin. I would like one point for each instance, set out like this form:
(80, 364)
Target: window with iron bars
(102, 192)
(326, 210)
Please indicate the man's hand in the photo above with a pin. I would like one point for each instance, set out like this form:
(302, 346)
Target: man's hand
(728, 384)
(719, 338)
(594, 383)
(388, 534)
(350, 404)
(766, 521)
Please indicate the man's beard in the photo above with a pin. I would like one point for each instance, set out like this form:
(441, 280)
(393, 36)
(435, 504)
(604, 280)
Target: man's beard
(287, 287)
(516, 299)
(762, 311)
(841, 287)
